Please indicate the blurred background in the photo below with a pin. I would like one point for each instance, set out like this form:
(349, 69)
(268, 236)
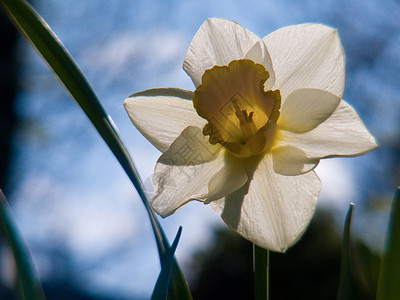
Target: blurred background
(82, 219)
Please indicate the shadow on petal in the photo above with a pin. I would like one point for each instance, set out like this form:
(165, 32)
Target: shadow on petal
(191, 147)
(232, 211)
(291, 161)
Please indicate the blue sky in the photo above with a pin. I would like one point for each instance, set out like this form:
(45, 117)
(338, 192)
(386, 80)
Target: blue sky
(70, 195)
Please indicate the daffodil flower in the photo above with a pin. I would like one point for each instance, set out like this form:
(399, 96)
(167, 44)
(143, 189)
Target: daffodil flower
(246, 141)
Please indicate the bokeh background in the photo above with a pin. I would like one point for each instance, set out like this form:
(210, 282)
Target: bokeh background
(82, 219)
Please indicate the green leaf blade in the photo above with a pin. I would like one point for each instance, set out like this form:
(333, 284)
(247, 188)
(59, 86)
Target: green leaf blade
(389, 274)
(43, 39)
(163, 282)
(29, 284)
(345, 291)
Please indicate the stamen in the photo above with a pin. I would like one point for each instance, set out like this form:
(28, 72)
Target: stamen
(242, 123)
(247, 126)
(213, 132)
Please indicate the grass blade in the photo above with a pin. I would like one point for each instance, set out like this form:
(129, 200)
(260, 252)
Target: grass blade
(39, 34)
(161, 288)
(389, 275)
(29, 284)
(345, 291)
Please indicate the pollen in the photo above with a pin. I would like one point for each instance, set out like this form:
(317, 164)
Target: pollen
(240, 113)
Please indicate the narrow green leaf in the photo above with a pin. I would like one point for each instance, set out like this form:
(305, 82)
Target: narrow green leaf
(178, 289)
(53, 51)
(39, 34)
(389, 274)
(345, 291)
(29, 284)
(261, 273)
(161, 288)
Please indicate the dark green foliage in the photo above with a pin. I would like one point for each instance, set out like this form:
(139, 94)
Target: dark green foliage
(308, 270)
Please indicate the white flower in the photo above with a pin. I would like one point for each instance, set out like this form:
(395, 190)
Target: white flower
(263, 114)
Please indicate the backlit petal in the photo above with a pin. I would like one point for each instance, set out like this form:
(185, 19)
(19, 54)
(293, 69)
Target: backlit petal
(260, 55)
(342, 134)
(184, 171)
(307, 56)
(162, 114)
(305, 109)
(272, 210)
(217, 42)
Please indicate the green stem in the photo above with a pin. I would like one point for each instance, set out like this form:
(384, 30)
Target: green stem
(261, 273)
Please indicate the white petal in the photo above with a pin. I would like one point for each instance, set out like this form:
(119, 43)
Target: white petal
(305, 109)
(260, 55)
(342, 134)
(162, 114)
(307, 56)
(217, 42)
(272, 210)
(192, 169)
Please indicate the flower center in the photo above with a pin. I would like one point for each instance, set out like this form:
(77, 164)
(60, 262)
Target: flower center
(241, 115)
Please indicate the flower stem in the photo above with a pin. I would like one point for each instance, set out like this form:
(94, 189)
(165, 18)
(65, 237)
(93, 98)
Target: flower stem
(261, 273)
